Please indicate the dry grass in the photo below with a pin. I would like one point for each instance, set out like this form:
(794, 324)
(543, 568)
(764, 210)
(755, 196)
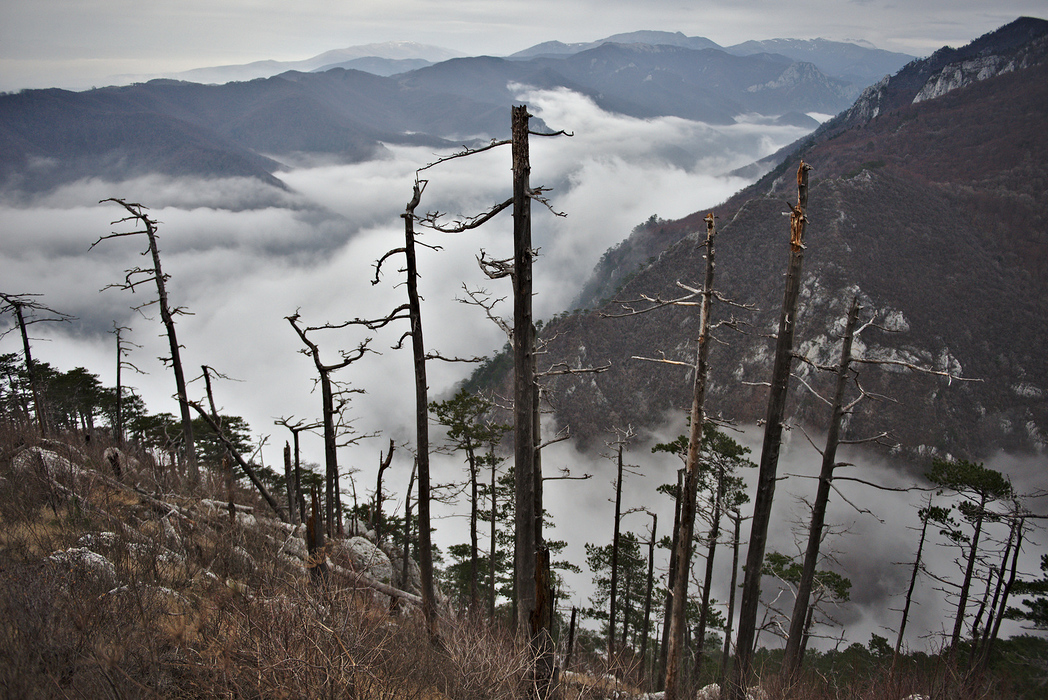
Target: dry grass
(200, 606)
(197, 605)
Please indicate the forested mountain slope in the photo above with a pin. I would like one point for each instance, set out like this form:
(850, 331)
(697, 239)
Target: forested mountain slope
(933, 212)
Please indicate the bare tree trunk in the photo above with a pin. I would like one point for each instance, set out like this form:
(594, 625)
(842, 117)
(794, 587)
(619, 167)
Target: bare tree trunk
(407, 526)
(474, 546)
(780, 381)
(571, 639)
(189, 448)
(615, 561)
(671, 576)
(418, 351)
(726, 656)
(524, 380)
(678, 619)
(792, 658)
(962, 604)
(289, 484)
(383, 465)
(700, 636)
(298, 481)
(491, 554)
(119, 427)
(647, 597)
(330, 453)
(317, 563)
(913, 582)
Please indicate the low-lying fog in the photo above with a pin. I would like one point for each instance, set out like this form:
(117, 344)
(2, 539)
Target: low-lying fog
(242, 256)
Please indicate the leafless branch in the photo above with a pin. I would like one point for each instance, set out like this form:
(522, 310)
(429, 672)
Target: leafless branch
(950, 378)
(437, 356)
(864, 511)
(562, 368)
(536, 195)
(430, 220)
(495, 269)
(466, 151)
(808, 386)
(664, 360)
(480, 297)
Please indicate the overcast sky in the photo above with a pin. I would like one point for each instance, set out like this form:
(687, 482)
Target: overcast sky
(77, 43)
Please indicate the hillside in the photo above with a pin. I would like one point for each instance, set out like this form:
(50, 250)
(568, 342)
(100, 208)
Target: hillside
(933, 212)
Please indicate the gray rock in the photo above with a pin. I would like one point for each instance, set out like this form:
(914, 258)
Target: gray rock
(54, 466)
(367, 558)
(83, 564)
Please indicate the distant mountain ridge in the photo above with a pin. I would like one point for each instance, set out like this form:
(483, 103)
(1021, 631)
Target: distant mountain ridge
(382, 59)
(854, 62)
(931, 211)
(49, 137)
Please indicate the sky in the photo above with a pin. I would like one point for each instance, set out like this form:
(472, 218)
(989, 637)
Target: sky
(80, 43)
(242, 255)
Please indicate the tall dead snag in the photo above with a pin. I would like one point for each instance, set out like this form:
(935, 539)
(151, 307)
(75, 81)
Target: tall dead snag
(681, 566)
(330, 410)
(527, 537)
(678, 616)
(376, 513)
(530, 556)
(24, 310)
(137, 276)
(121, 352)
(780, 383)
(647, 598)
(412, 313)
(215, 422)
(792, 659)
(735, 516)
(685, 529)
(624, 437)
(297, 492)
(800, 619)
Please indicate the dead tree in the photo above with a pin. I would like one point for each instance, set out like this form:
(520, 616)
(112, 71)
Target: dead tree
(623, 439)
(839, 409)
(213, 419)
(297, 492)
(412, 313)
(648, 596)
(376, 513)
(766, 479)
(927, 514)
(683, 549)
(330, 410)
(25, 310)
(671, 576)
(137, 276)
(121, 352)
(407, 522)
(736, 518)
(792, 659)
